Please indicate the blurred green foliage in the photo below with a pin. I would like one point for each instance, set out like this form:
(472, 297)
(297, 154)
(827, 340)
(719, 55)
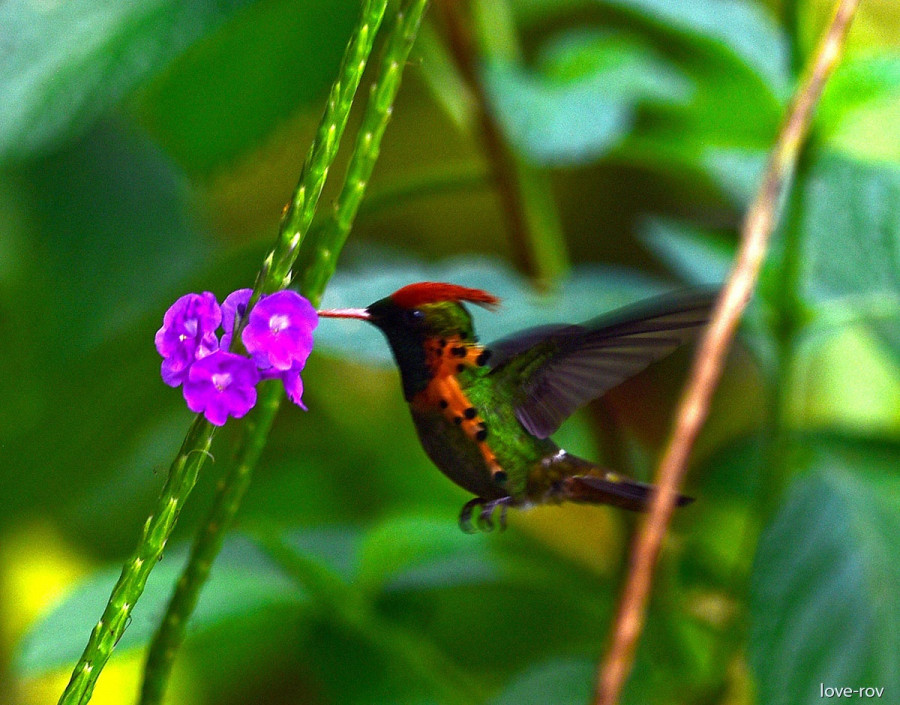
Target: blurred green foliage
(146, 150)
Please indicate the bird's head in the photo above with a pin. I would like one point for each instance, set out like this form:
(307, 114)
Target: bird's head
(420, 311)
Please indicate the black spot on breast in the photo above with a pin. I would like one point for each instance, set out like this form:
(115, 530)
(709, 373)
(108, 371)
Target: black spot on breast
(470, 413)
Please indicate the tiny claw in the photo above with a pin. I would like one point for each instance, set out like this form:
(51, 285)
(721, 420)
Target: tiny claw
(503, 509)
(465, 515)
(485, 520)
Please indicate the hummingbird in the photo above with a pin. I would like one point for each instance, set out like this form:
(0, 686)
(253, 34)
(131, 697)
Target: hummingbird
(485, 413)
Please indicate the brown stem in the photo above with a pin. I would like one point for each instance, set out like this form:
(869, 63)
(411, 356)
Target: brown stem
(505, 166)
(757, 228)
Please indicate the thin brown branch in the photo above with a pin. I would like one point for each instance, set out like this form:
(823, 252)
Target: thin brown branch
(757, 228)
(508, 172)
(462, 48)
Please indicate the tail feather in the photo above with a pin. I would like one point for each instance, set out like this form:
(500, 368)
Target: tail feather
(613, 489)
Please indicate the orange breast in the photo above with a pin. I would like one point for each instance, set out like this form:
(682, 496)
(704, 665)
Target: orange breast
(447, 357)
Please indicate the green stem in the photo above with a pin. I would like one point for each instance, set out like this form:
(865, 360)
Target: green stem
(180, 482)
(276, 273)
(231, 490)
(233, 487)
(378, 111)
(348, 606)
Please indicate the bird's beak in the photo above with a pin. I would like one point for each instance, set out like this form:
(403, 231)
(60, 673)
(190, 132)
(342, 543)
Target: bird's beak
(358, 313)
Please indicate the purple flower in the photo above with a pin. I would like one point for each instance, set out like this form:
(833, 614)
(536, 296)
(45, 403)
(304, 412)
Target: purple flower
(233, 309)
(188, 334)
(220, 385)
(293, 385)
(279, 331)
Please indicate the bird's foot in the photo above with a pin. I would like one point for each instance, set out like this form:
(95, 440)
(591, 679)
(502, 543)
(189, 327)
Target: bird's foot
(485, 514)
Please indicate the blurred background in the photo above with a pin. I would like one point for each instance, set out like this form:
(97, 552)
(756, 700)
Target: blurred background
(146, 150)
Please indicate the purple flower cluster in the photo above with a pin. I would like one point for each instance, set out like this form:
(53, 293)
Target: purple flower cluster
(217, 383)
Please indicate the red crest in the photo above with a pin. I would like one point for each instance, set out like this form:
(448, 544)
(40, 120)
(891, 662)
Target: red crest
(414, 295)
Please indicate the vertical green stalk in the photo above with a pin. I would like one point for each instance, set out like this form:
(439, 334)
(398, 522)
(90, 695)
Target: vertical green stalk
(332, 237)
(233, 487)
(180, 482)
(207, 544)
(273, 275)
(276, 273)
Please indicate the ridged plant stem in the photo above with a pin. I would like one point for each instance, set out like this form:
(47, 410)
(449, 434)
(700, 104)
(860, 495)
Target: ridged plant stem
(233, 487)
(180, 482)
(207, 544)
(330, 240)
(275, 274)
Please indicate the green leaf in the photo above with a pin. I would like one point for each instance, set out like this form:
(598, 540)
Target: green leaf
(700, 256)
(108, 216)
(335, 548)
(738, 171)
(743, 28)
(849, 260)
(861, 96)
(66, 63)
(227, 94)
(559, 681)
(581, 99)
(243, 581)
(822, 603)
(588, 292)
(414, 553)
(850, 231)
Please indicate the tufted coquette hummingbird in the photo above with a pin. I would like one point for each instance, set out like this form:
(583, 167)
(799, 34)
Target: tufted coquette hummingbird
(484, 414)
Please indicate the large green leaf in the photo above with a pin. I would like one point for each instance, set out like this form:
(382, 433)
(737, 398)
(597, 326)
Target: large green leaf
(64, 63)
(581, 99)
(411, 552)
(744, 28)
(243, 581)
(700, 256)
(227, 94)
(559, 681)
(824, 601)
(861, 96)
(735, 58)
(850, 232)
(849, 257)
(114, 246)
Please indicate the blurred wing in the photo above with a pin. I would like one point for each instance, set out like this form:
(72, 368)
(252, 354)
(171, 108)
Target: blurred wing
(553, 370)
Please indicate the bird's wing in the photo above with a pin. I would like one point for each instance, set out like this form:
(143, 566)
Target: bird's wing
(551, 371)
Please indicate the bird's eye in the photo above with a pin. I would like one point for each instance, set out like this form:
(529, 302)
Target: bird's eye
(415, 316)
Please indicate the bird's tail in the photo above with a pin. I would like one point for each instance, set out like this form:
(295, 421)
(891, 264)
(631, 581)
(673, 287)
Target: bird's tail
(613, 489)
